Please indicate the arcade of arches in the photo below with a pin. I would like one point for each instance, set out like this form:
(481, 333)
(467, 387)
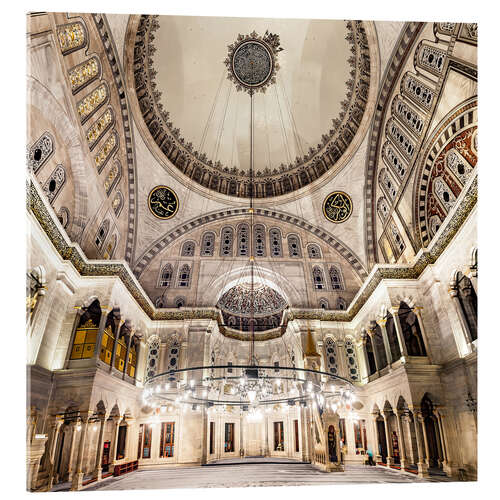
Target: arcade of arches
(361, 240)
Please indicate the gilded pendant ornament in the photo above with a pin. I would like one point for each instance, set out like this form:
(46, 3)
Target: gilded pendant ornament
(163, 202)
(337, 207)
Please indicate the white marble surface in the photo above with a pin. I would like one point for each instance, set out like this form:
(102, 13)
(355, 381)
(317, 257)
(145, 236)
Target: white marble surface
(232, 476)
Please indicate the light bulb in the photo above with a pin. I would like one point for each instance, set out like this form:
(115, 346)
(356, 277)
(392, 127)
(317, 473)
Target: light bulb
(191, 383)
(252, 395)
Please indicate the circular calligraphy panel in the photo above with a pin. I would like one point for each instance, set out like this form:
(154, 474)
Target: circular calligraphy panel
(163, 202)
(337, 207)
(252, 63)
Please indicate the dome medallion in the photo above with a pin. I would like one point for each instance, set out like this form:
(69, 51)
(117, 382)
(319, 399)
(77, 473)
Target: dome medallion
(252, 61)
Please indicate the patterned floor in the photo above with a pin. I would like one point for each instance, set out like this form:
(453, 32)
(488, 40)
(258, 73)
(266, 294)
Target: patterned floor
(254, 474)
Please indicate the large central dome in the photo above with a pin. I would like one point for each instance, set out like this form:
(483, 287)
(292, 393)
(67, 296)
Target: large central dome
(305, 115)
(262, 305)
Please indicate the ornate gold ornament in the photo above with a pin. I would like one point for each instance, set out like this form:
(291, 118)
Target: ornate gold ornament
(337, 207)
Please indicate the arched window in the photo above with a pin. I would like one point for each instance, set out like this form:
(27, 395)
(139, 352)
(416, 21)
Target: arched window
(242, 237)
(294, 249)
(179, 302)
(398, 242)
(71, 37)
(393, 338)
(323, 303)
(393, 160)
(275, 242)
(259, 240)
(160, 302)
(166, 276)
(318, 278)
(388, 185)
(110, 247)
(226, 242)
(113, 177)
(101, 234)
(54, 183)
(117, 203)
(443, 193)
(382, 208)
(378, 345)
(187, 249)
(92, 102)
(64, 217)
(173, 355)
(411, 331)
(152, 363)
(341, 304)
(468, 302)
(313, 251)
(372, 367)
(336, 278)
(184, 276)
(86, 333)
(352, 362)
(331, 356)
(458, 165)
(40, 152)
(207, 245)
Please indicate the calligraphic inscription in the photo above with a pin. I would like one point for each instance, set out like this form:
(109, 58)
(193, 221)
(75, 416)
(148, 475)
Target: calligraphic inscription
(337, 207)
(163, 202)
(252, 63)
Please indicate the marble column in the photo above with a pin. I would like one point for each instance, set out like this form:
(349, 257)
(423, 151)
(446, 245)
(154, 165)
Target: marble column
(421, 464)
(371, 334)
(119, 324)
(399, 332)
(466, 334)
(74, 426)
(426, 442)
(56, 426)
(100, 442)
(141, 360)
(78, 474)
(402, 444)
(204, 434)
(366, 363)
(390, 458)
(102, 325)
(376, 452)
(381, 322)
(125, 366)
(114, 444)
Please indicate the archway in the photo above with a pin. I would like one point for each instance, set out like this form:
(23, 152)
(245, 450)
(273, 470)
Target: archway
(432, 435)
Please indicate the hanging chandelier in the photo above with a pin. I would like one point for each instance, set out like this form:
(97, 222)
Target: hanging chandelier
(254, 387)
(252, 63)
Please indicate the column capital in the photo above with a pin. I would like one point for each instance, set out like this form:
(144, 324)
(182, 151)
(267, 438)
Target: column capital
(381, 321)
(399, 413)
(85, 416)
(453, 289)
(386, 414)
(394, 310)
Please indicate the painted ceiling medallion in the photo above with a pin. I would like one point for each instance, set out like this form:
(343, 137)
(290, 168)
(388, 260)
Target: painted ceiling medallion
(252, 63)
(163, 202)
(337, 207)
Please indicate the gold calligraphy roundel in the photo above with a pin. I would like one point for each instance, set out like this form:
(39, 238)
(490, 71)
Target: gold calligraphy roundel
(337, 207)
(163, 202)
